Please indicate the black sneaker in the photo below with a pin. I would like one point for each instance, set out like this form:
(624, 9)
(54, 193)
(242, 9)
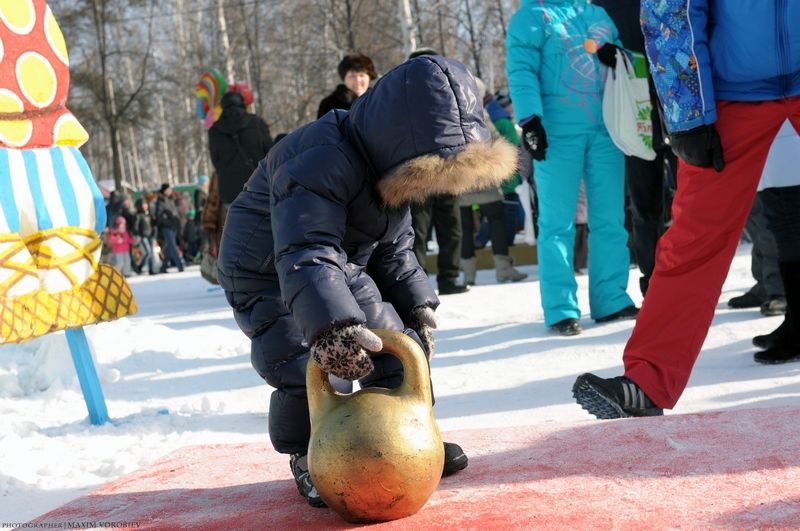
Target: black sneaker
(628, 312)
(454, 459)
(567, 327)
(299, 465)
(612, 398)
(451, 288)
(773, 338)
(748, 300)
(774, 306)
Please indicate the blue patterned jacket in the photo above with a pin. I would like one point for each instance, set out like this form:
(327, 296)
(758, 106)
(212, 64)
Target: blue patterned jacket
(706, 50)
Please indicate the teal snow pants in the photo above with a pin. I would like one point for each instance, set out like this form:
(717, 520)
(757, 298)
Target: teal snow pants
(570, 158)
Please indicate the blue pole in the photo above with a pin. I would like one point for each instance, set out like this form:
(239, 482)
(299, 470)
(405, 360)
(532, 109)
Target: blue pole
(87, 376)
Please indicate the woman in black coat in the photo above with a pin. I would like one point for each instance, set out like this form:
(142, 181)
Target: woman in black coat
(357, 72)
(318, 248)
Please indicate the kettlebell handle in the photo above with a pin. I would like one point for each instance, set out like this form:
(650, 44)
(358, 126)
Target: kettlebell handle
(416, 375)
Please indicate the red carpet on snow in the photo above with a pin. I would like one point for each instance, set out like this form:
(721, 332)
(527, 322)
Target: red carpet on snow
(732, 469)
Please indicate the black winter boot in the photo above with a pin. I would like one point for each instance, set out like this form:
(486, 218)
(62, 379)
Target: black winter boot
(299, 465)
(773, 338)
(454, 459)
(787, 345)
(754, 298)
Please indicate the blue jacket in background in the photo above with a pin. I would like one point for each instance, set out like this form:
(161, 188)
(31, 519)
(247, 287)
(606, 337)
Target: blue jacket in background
(550, 72)
(702, 51)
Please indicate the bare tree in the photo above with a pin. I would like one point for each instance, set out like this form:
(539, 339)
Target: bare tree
(114, 113)
(136, 63)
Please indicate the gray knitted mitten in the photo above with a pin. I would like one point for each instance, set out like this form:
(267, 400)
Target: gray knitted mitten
(342, 351)
(423, 321)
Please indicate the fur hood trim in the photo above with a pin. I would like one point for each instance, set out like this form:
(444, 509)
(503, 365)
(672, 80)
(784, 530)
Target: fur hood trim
(479, 166)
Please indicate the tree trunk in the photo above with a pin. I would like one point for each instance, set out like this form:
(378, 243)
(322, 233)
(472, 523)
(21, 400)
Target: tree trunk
(440, 22)
(226, 43)
(418, 23)
(501, 15)
(407, 27)
(351, 39)
(474, 46)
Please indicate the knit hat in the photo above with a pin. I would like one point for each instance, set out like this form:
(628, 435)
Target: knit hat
(164, 187)
(203, 179)
(358, 63)
(241, 87)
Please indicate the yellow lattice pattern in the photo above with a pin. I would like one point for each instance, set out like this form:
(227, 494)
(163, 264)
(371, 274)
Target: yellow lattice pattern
(40, 246)
(31, 311)
(33, 257)
(105, 296)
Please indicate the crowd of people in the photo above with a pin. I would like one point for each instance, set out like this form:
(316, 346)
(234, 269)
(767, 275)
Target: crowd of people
(152, 231)
(328, 236)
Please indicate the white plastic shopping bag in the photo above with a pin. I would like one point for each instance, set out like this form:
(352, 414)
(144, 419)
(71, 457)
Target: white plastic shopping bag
(627, 108)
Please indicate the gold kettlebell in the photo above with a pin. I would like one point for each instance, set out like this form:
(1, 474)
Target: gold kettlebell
(375, 455)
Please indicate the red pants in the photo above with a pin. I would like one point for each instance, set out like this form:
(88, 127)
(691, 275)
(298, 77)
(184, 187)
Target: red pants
(694, 255)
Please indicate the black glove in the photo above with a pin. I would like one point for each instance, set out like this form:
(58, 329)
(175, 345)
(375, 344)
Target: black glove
(423, 321)
(700, 146)
(341, 351)
(607, 54)
(534, 138)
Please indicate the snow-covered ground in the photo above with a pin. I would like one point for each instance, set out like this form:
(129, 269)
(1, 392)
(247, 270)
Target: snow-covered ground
(178, 374)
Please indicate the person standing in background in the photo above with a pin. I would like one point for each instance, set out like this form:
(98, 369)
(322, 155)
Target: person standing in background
(168, 223)
(237, 141)
(356, 71)
(143, 230)
(558, 54)
(500, 113)
(487, 202)
(779, 198)
(121, 241)
(645, 180)
(442, 213)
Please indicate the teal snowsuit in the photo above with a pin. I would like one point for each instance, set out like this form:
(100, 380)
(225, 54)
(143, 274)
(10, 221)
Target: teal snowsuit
(552, 75)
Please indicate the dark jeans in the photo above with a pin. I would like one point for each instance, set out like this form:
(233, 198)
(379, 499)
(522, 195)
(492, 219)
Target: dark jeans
(147, 255)
(441, 212)
(515, 216)
(781, 207)
(764, 255)
(171, 250)
(646, 189)
(495, 214)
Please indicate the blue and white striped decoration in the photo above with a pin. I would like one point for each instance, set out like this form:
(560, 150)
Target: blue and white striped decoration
(48, 188)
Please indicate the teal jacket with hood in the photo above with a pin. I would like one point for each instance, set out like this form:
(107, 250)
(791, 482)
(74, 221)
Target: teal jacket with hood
(550, 72)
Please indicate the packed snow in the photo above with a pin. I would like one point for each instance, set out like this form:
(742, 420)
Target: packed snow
(178, 373)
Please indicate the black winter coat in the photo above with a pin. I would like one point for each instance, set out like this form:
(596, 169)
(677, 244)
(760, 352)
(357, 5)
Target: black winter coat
(625, 14)
(143, 225)
(322, 233)
(341, 98)
(167, 216)
(237, 141)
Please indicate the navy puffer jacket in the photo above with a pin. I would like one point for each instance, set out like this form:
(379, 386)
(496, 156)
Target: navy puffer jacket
(325, 218)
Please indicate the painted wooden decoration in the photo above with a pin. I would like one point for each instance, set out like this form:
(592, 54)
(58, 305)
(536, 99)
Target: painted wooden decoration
(51, 211)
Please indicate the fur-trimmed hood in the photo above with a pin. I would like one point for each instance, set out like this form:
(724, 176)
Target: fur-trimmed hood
(421, 128)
